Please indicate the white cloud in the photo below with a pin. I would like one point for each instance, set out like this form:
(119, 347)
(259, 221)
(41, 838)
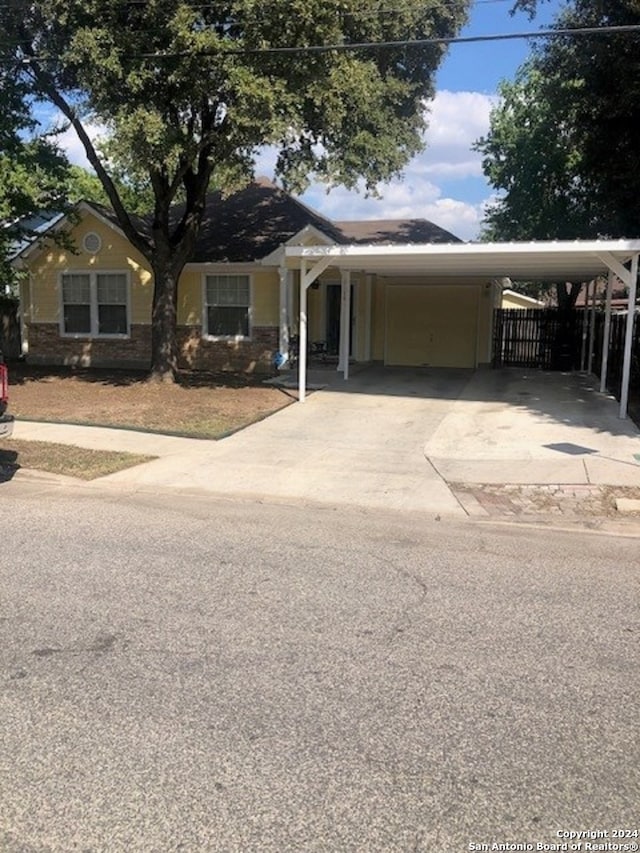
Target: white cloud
(456, 120)
(464, 115)
(51, 119)
(400, 200)
(74, 148)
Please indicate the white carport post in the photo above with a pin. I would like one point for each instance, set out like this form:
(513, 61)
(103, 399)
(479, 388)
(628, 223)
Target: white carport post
(283, 337)
(368, 296)
(604, 360)
(592, 326)
(307, 277)
(345, 322)
(585, 328)
(628, 338)
(630, 279)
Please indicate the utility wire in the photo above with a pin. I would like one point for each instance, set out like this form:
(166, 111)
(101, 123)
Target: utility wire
(347, 46)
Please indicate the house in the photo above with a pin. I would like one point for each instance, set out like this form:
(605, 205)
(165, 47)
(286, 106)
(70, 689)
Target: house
(619, 298)
(266, 268)
(511, 299)
(239, 296)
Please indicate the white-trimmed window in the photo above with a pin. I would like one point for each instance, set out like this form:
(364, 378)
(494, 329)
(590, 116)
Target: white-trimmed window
(227, 306)
(95, 304)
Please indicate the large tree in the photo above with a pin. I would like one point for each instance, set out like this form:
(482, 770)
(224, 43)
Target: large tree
(189, 91)
(563, 149)
(532, 157)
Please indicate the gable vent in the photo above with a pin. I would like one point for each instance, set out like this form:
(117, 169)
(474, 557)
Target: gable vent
(92, 243)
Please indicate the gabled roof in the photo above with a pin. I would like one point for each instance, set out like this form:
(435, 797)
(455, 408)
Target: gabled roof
(394, 231)
(255, 221)
(30, 228)
(141, 223)
(252, 223)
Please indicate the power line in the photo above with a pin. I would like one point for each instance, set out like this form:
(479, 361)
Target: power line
(435, 40)
(623, 29)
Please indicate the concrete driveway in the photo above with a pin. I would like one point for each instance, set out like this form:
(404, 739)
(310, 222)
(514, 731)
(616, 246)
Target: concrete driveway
(395, 438)
(360, 442)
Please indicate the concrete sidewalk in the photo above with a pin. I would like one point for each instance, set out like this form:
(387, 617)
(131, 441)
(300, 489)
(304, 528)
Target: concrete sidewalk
(393, 439)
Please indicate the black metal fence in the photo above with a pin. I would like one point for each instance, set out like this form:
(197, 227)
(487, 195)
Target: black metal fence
(547, 338)
(615, 358)
(551, 339)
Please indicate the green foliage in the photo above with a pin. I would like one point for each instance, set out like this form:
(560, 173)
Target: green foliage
(33, 177)
(83, 185)
(532, 156)
(563, 148)
(529, 6)
(606, 109)
(188, 95)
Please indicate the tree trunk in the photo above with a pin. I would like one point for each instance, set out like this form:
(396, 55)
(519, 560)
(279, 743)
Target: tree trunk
(567, 294)
(164, 347)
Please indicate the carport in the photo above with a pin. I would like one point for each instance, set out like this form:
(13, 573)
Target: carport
(576, 261)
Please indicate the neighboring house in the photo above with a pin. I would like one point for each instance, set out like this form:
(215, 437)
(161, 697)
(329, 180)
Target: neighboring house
(239, 298)
(511, 299)
(619, 298)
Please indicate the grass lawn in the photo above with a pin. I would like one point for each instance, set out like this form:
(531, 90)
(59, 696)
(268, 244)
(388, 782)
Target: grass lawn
(63, 459)
(199, 406)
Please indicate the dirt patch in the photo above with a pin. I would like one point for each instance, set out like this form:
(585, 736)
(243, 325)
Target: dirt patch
(200, 405)
(63, 459)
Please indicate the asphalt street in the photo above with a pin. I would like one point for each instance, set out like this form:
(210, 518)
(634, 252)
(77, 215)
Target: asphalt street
(194, 674)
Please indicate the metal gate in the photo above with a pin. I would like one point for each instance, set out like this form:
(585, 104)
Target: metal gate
(547, 338)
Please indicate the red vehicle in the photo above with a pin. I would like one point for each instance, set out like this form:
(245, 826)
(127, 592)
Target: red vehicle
(6, 420)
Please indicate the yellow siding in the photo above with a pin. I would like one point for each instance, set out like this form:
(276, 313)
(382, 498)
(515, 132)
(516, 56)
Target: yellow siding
(266, 298)
(510, 299)
(116, 253)
(266, 295)
(190, 298)
(432, 325)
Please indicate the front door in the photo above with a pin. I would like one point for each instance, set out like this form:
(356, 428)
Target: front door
(333, 319)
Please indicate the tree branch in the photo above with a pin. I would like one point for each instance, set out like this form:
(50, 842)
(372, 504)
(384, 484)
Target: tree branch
(48, 87)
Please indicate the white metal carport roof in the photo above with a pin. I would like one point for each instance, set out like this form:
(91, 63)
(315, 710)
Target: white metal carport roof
(579, 260)
(559, 261)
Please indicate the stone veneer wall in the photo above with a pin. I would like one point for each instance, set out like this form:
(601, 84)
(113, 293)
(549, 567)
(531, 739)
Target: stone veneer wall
(46, 346)
(201, 353)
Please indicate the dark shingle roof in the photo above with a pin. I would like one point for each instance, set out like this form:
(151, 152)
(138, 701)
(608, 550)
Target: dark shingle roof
(391, 231)
(253, 222)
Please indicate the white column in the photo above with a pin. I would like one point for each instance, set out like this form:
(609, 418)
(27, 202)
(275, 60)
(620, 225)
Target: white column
(283, 338)
(368, 297)
(302, 335)
(592, 326)
(585, 321)
(628, 338)
(291, 284)
(604, 361)
(345, 321)
(25, 312)
(307, 277)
